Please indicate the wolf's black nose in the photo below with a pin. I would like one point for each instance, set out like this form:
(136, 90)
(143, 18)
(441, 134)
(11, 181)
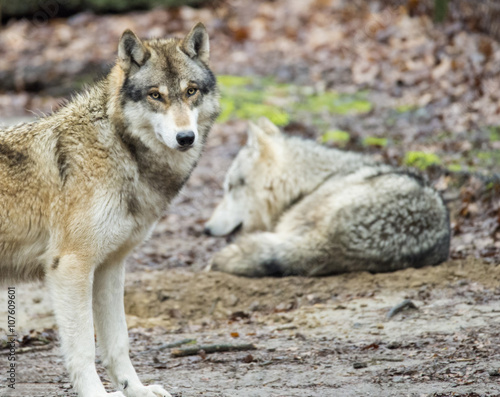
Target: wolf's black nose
(207, 231)
(185, 138)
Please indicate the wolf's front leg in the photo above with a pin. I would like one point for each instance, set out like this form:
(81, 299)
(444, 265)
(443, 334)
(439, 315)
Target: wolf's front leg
(112, 333)
(274, 254)
(253, 255)
(70, 284)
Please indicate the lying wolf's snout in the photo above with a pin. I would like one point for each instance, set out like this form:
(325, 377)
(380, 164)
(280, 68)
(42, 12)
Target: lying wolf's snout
(185, 138)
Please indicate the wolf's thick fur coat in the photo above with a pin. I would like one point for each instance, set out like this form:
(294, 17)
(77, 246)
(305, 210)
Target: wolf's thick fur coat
(305, 209)
(81, 188)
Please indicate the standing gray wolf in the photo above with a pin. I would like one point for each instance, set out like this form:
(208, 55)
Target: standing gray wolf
(306, 209)
(81, 188)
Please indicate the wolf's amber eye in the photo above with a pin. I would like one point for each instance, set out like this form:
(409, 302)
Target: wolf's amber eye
(155, 95)
(191, 91)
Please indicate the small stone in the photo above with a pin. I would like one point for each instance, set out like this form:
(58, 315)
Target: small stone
(359, 365)
(394, 345)
(248, 359)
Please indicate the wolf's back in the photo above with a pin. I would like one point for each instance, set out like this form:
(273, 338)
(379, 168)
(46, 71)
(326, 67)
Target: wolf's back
(392, 220)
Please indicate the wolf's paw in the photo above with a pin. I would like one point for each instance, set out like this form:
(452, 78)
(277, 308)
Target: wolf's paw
(114, 394)
(231, 260)
(147, 391)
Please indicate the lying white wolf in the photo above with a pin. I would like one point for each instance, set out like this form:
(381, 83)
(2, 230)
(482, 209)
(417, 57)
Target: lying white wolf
(306, 209)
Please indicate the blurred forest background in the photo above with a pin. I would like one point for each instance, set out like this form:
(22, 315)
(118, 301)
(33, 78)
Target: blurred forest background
(415, 82)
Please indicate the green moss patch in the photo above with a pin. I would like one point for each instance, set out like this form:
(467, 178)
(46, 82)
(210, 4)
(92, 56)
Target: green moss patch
(375, 141)
(253, 97)
(421, 160)
(336, 136)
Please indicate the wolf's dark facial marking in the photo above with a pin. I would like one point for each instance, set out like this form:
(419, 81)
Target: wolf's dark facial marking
(130, 91)
(209, 83)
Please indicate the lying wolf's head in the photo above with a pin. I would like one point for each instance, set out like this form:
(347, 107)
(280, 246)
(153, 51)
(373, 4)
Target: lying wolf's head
(253, 187)
(166, 90)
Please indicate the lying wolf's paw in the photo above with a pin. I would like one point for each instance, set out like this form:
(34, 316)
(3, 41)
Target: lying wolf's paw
(114, 394)
(147, 391)
(230, 260)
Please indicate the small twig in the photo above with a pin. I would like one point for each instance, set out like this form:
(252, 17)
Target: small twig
(29, 349)
(175, 344)
(389, 359)
(406, 304)
(169, 345)
(207, 349)
(271, 381)
(375, 360)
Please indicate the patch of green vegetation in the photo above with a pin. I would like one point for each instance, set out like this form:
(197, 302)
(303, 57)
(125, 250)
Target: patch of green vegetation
(405, 108)
(494, 133)
(421, 160)
(486, 159)
(335, 103)
(375, 141)
(455, 167)
(484, 155)
(228, 81)
(251, 97)
(255, 110)
(336, 136)
(228, 108)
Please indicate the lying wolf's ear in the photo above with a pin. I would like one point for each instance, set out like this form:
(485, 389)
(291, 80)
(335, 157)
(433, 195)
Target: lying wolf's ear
(268, 126)
(131, 52)
(257, 137)
(196, 45)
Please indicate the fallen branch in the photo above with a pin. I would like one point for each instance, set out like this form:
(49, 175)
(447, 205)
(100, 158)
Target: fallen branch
(169, 345)
(28, 349)
(207, 349)
(175, 344)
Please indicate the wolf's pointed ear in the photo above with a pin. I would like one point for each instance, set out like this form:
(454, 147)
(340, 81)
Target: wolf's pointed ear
(196, 45)
(253, 134)
(131, 52)
(268, 126)
(258, 139)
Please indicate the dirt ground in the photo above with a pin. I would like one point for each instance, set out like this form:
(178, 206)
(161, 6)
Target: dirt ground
(314, 337)
(310, 334)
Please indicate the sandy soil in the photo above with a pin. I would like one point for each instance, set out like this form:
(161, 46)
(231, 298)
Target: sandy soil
(309, 333)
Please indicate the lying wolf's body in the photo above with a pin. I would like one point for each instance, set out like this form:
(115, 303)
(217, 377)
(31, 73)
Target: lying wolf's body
(81, 188)
(306, 209)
